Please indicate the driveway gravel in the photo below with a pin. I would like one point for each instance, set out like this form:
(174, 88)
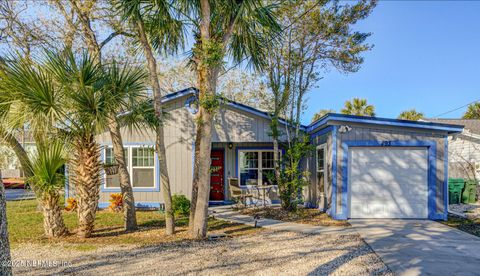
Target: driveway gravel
(265, 253)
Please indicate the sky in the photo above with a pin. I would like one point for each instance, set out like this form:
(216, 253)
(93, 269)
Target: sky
(426, 56)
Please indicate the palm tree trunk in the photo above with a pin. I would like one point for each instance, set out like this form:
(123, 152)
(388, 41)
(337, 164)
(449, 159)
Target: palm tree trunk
(52, 216)
(160, 137)
(4, 242)
(129, 214)
(87, 182)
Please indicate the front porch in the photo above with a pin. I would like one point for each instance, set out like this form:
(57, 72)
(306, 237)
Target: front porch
(251, 165)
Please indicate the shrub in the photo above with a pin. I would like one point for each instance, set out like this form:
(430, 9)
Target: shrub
(116, 202)
(71, 204)
(180, 205)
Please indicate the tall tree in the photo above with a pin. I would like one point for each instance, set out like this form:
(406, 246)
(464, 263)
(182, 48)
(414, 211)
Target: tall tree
(155, 27)
(411, 115)
(4, 242)
(473, 111)
(358, 107)
(84, 12)
(236, 29)
(321, 113)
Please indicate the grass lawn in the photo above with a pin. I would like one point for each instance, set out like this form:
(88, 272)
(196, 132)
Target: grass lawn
(471, 226)
(302, 215)
(25, 225)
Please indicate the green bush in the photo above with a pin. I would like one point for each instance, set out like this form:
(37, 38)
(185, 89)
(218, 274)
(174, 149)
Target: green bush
(180, 205)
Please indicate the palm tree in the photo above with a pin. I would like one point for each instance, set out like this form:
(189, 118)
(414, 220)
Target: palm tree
(155, 28)
(358, 107)
(321, 113)
(49, 180)
(4, 242)
(230, 28)
(411, 115)
(473, 111)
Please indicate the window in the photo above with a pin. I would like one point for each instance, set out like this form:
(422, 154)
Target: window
(143, 167)
(113, 181)
(321, 162)
(256, 167)
(140, 165)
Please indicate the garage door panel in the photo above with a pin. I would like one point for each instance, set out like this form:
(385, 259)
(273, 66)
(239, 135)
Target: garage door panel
(388, 182)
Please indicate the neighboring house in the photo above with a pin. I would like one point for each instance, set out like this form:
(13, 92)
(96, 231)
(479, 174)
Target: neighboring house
(363, 167)
(464, 149)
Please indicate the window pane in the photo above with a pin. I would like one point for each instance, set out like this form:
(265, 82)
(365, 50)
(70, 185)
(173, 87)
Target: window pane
(320, 159)
(110, 158)
(267, 177)
(143, 177)
(248, 160)
(321, 181)
(112, 181)
(267, 159)
(143, 157)
(248, 177)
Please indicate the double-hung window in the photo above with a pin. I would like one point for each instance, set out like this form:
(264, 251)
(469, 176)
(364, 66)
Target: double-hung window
(140, 161)
(256, 167)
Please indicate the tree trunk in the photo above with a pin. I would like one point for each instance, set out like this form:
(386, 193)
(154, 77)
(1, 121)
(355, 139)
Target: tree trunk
(129, 214)
(160, 137)
(193, 203)
(5, 268)
(52, 216)
(87, 182)
(19, 151)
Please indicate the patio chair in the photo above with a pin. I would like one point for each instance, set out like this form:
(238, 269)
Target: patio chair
(238, 194)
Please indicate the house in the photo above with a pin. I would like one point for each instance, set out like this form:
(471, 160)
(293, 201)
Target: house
(464, 149)
(363, 167)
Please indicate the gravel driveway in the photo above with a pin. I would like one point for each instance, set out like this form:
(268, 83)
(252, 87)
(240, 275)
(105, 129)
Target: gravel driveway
(265, 253)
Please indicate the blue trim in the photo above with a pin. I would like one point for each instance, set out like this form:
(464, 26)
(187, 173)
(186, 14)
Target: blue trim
(156, 188)
(104, 205)
(250, 148)
(445, 180)
(333, 211)
(432, 170)
(322, 132)
(451, 129)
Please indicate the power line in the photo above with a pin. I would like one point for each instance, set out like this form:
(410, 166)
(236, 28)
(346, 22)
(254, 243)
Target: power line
(458, 108)
(278, 34)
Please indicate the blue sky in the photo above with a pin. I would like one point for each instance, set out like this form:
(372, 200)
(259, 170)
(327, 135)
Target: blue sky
(426, 56)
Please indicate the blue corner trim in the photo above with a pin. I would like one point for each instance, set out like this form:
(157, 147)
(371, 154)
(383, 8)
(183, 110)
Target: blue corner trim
(104, 205)
(334, 173)
(445, 180)
(451, 129)
(432, 169)
(156, 188)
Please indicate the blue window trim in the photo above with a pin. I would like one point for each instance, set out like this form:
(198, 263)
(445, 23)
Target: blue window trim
(432, 170)
(334, 172)
(224, 173)
(156, 188)
(250, 148)
(104, 205)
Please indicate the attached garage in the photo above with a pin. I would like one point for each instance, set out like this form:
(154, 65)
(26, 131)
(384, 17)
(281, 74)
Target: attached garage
(380, 168)
(388, 182)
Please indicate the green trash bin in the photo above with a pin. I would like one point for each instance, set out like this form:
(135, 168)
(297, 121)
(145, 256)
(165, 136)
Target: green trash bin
(455, 187)
(469, 194)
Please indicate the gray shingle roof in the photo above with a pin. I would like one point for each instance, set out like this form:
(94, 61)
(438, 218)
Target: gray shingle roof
(473, 125)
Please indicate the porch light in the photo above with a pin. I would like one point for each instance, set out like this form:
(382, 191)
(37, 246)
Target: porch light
(230, 146)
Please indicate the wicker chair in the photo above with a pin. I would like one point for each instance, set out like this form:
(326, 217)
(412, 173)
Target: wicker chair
(238, 194)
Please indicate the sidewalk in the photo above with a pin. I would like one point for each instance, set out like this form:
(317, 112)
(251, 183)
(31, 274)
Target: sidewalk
(226, 213)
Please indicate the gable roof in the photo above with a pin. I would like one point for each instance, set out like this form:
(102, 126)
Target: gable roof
(449, 128)
(472, 125)
(236, 105)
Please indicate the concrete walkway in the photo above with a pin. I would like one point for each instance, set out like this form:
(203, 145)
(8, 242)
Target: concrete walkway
(226, 213)
(421, 247)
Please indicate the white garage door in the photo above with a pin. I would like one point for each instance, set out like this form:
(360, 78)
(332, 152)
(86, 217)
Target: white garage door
(388, 182)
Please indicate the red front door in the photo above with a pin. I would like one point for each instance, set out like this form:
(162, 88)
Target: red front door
(216, 175)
